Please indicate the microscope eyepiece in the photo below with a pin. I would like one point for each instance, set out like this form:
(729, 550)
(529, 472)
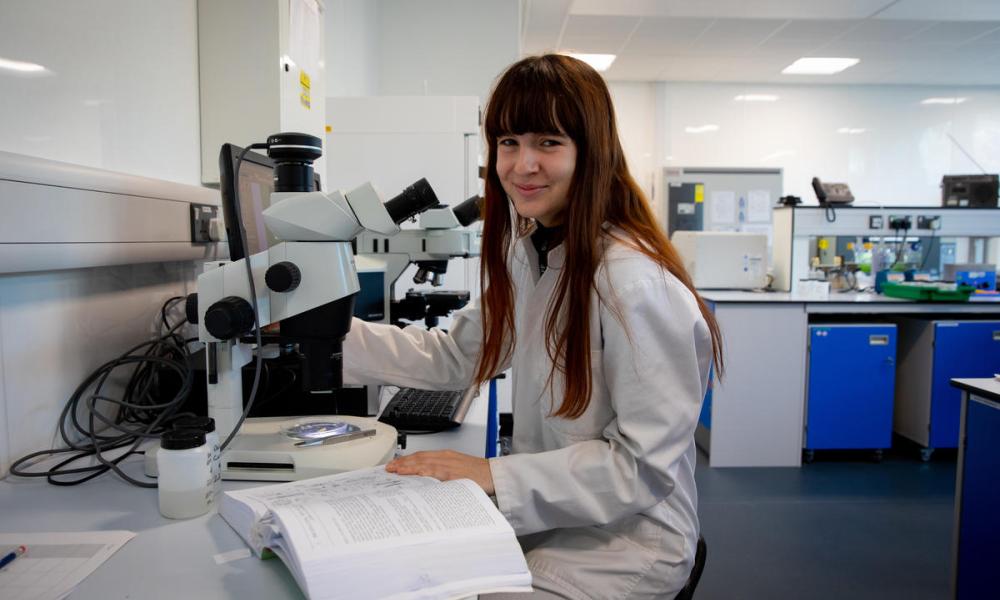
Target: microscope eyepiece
(293, 155)
(413, 200)
(468, 212)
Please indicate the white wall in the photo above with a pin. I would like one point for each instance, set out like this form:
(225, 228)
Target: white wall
(122, 88)
(898, 159)
(635, 107)
(351, 47)
(122, 95)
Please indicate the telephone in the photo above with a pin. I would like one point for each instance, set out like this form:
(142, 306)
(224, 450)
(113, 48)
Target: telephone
(832, 193)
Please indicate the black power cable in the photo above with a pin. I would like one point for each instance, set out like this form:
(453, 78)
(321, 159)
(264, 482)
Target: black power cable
(140, 414)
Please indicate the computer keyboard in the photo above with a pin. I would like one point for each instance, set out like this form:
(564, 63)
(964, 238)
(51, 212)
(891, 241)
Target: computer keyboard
(427, 410)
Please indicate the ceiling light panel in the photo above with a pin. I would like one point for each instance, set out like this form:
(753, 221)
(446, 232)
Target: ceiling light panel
(600, 62)
(756, 98)
(819, 66)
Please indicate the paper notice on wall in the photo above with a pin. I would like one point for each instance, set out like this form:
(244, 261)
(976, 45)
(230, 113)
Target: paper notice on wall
(759, 206)
(303, 35)
(723, 209)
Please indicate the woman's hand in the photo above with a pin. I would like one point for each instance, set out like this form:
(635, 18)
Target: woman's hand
(445, 465)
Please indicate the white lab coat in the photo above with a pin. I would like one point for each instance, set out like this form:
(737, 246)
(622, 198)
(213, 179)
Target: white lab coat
(604, 505)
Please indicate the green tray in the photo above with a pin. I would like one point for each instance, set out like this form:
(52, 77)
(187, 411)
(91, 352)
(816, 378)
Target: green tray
(927, 293)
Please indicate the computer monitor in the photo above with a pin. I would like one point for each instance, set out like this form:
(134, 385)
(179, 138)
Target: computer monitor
(255, 186)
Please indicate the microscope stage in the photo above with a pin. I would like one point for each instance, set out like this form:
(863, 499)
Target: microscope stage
(261, 452)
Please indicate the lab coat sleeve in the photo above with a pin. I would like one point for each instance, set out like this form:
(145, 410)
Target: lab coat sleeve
(415, 357)
(656, 370)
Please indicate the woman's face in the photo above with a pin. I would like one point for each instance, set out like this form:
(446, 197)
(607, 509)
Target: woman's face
(536, 171)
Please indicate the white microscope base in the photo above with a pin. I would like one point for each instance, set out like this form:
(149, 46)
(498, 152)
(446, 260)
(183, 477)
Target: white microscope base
(259, 452)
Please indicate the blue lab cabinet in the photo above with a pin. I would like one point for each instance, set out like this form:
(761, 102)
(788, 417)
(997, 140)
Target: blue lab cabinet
(931, 353)
(977, 499)
(852, 374)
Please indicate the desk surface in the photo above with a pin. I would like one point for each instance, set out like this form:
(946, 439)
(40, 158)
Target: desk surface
(983, 387)
(170, 559)
(167, 559)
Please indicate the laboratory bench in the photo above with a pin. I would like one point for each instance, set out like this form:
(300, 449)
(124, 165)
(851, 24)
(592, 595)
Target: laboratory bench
(170, 559)
(756, 415)
(975, 552)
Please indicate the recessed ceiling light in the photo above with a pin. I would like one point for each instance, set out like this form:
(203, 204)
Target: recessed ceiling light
(21, 67)
(943, 100)
(852, 130)
(756, 98)
(819, 66)
(702, 128)
(600, 62)
(778, 154)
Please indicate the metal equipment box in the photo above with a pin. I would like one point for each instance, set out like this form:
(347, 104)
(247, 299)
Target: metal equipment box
(851, 377)
(931, 353)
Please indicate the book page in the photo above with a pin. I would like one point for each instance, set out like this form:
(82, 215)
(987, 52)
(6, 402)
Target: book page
(393, 516)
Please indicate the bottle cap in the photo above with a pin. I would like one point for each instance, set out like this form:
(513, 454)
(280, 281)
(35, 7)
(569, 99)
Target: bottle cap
(182, 439)
(206, 424)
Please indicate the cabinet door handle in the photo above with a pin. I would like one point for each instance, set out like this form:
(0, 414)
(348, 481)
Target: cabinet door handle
(996, 336)
(878, 340)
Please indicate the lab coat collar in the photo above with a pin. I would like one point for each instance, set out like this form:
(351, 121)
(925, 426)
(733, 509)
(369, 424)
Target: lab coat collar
(556, 257)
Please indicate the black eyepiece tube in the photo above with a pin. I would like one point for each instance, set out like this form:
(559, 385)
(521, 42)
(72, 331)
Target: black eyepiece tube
(468, 212)
(412, 201)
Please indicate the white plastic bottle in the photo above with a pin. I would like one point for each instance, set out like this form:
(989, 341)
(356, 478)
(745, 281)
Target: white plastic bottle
(206, 424)
(186, 484)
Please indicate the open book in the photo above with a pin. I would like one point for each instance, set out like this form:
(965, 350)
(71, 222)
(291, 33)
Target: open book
(373, 534)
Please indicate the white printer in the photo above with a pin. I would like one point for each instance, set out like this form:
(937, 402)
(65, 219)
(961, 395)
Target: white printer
(723, 260)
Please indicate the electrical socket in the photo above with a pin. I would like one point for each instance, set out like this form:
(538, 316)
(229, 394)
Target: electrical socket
(201, 223)
(875, 222)
(929, 222)
(900, 222)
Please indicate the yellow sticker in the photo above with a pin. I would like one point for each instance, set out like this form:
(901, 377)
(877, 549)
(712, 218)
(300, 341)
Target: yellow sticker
(305, 97)
(329, 129)
(699, 192)
(823, 243)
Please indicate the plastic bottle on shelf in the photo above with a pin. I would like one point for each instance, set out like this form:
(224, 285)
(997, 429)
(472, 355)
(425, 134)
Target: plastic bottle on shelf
(186, 485)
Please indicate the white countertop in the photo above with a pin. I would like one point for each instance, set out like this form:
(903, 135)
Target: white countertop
(847, 302)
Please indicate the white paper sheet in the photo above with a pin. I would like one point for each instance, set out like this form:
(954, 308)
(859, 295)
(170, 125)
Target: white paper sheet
(55, 563)
(723, 208)
(759, 206)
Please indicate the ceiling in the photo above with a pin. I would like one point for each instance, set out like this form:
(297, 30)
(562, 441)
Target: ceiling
(929, 42)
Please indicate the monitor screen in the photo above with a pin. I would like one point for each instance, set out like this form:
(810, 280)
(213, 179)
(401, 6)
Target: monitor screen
(255, 186)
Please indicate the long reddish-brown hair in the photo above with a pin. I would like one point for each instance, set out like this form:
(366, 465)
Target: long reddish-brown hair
(559, 94)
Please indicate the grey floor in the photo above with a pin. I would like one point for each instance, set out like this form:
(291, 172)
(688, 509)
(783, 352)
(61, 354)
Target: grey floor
(842, 527)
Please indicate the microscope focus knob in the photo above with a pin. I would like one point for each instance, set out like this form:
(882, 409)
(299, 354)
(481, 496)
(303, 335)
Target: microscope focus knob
(229, 318)
(283, 277)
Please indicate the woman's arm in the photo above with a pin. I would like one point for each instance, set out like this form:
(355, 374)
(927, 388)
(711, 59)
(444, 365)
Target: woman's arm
(415, 357)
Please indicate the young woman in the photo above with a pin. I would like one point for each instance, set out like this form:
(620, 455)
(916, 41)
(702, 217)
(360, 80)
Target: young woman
(610, 346)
